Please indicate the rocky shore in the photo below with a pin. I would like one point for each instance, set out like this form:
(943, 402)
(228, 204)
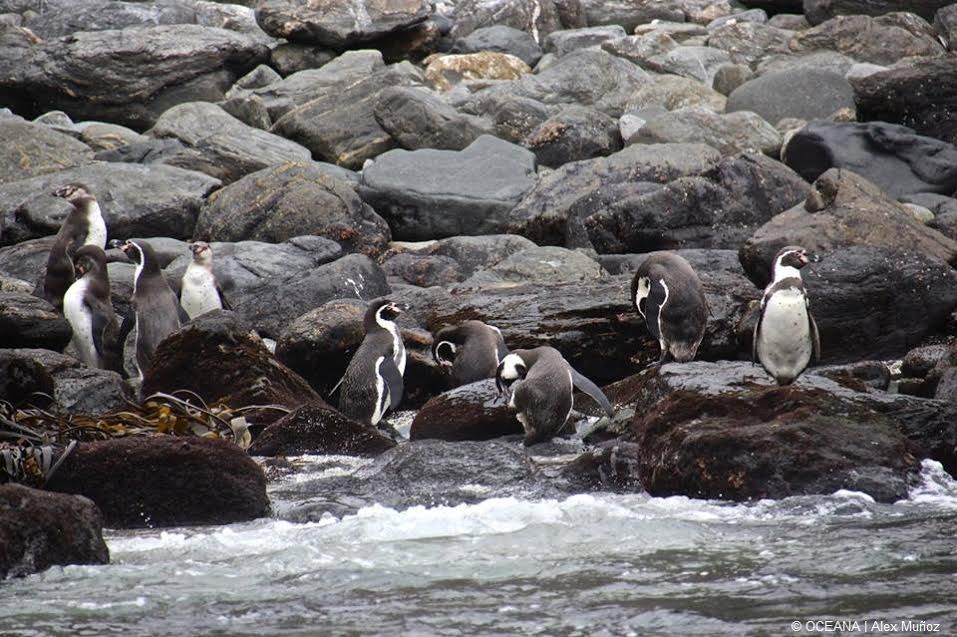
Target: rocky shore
(510, 161)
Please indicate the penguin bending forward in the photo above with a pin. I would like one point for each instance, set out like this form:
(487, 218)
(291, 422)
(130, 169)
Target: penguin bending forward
(84, 225)
(472, 349)
(666, 291)
(372, 384)
(87, 307)
(200, 292)
(541, 383)
(786, 337)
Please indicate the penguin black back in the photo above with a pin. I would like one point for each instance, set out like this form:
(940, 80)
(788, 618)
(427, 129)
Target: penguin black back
(471, 349)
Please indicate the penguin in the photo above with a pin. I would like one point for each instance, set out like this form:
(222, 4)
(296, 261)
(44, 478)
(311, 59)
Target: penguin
(157, 310)
(200, 292)
(541, 383)
(372, 384)
(667, 293)
(87, 307)
(786, 338)
(84, 225)
(472, 350)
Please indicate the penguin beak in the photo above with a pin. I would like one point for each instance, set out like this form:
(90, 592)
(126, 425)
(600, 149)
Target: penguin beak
(395, 308)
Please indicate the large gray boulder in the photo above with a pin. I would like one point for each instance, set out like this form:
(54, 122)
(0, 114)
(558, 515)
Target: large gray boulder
(29, 321)
(430, 194)
(817, 11)
(538, 17)
(338, 24)
(575, 133)
(728, 133)
(749, 42)
(501, 39)
(696, 62)
(417, 118)
(802, 93)
(31, 149)
(882, 40)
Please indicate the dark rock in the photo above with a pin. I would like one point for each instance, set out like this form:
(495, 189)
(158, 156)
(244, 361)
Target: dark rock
(893, 157)
(317, 428)
(34, 376)
(40, 529)
(28, 321)
(749, 42)
(546, 264)
(501, 39)
(338, 24)
(293, 57)
(728, 77)
(576, 133)
(471, 253)
(945, 22)
(427, 194)
(639, 48)
(730, 133)
(817, 60)
(874, 374)
(673, 92)
(532, 16)
(919, 361)
(471, 412)
(696, 62)
(34, 149)
(105, 137)
(424, 270)
(161, 481)
(921, 95)
(818, 11)
(882, 40)
(947, 386)
(290, 200)
(137, 201)
(802, 93)
(630, 13)
(565, 41)
(514, 118)
(758, 16)
(416, 118)
(90, 392)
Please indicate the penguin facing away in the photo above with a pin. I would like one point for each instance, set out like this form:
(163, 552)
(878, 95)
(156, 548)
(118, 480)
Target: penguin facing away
(87, 307)
(541, 383)
(667, 293)
(372, 384)
(786, 337)
(200, 292)
(84, 225)
(471, 350)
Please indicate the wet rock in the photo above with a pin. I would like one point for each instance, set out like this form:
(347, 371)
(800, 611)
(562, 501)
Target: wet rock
(34, 149)
(162, 481)
(729, 134)
(882, 40)
(945, 22)
(568, 40)
(537, 17)
(818, 11)
(749, 42)
(446, 71)
(873, 374)
(334, 23)
(416, 118)
(28, 321)
(137, 201)
(290, 200)
(476, 411)
(319, 429)
(40, 529)
(696, 62)
(802, 93)
(423, 270)
(919, 361)
(673, 92)
(33, 376)
(575, 133)
(893, 157)
(126, 76)
(501, 39)
(428, 194)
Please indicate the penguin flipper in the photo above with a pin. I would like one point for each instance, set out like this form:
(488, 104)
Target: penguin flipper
(501, 350)
(653, 304)
(393, 381)
(592, 390)
(815, 339)
(222, 298)
(181, 313)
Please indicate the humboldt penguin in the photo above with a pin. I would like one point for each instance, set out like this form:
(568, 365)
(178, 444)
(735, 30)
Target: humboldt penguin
(200, 292)
(471, 349)
(541, 383)
(786, 337)
(667, 293)
(372, 384)
(88, 309)
(84, 225)
(157, 310)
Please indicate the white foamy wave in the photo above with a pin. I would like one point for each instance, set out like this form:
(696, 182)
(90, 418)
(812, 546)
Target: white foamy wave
(936, 487)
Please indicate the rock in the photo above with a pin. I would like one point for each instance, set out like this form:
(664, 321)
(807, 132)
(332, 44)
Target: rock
(758, 16)
(340, 125)
(818, 60)
(338, 24)
(749, 42)
(427, 194)
(514, 118)
(729, 134)
(126, 76)
(920, 95)
(501, 39)
(445, 71)
(293, 57)
(566, 41)
(137, 201)
(729, 77)
(919, 361)
(842, 210)
(696, 62)
(631, 122)
(882, 40)
(945, 22)
(679, 31)
(547, 264)
(101, 136)
(575, 133)
(802, 93)
(26, 260)
(674, 92)
(818, 11)
(537, 17)
(892, 157)
(471, 412)
(630, 13)
(28, 321)
(473, 253)
(874, 374)
(289, 200)
(31, 149)
(423, 270)
(416, 118)
(161, 481)
(789, 21)
(227, 149)
(35, 375)
(40, 529)
(638, 48)
(319, 429)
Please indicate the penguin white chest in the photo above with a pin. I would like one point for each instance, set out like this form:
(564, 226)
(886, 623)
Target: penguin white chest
(81, 321)
(784, 341)
(199, 294)
(96, 232)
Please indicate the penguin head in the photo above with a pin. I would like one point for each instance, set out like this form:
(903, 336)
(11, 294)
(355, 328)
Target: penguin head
(89, 258)
(640, 289)
(444, 353)
(511, 369)
(380, 313)
(202, 253)
(140, 252)
(75, 193)
(794, 257)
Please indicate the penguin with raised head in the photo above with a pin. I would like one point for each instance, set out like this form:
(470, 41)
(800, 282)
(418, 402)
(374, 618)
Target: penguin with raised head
(786, 337)
(87, 307)
(471, 350)
(372, 384)
(541, 383)
(84, 225)
(157, 310)
(667, 293)
(200, 291)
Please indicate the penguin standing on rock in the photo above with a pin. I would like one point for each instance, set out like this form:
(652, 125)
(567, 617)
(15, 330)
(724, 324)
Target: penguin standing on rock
(667, 293)
(541, 383)
(84, 225)
(471, 349)
(158, 312)
(786, 337)
(200, 293)
(87, 307)
(372, 384)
